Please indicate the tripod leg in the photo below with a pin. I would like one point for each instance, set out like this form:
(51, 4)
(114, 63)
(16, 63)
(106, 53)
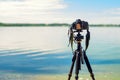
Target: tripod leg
(88, 65)
(78, 65)
(71, 69)
(82, 56)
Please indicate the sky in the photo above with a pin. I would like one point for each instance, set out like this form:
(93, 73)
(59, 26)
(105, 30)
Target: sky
(60, 11)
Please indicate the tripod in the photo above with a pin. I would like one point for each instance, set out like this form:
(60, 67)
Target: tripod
(79, 57)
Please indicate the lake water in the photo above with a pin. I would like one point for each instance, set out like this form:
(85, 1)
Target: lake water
(42, 53)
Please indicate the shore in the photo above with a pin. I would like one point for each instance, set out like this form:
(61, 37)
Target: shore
(98, 76)
(52, 25)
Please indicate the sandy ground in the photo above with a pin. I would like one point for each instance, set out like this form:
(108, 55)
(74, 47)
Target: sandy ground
(98, 76)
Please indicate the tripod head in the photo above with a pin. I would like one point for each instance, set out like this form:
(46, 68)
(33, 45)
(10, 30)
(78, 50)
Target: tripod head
(78, 38)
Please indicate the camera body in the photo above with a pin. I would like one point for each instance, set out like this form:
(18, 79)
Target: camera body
(83, 24)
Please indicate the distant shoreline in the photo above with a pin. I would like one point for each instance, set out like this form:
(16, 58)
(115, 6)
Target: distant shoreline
(52, 25)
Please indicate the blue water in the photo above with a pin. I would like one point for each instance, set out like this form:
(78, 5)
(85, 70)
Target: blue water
(44, 50)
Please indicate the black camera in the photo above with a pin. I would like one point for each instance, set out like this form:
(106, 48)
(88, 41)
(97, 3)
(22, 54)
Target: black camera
(76, 28)
(80, 25)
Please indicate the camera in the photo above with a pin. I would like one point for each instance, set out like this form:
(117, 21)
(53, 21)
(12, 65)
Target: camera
(80, 25)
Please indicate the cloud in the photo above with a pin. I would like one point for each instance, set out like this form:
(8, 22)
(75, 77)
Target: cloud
(109, 16)
(30, 10)
(9, 0)
(49, 11)
(113, 11)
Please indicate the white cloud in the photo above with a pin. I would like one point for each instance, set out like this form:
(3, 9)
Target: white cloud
(30, 10)
(48, 11)
(109, 16)
(113, 11)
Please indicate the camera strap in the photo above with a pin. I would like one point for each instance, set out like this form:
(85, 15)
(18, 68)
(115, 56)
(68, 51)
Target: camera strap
(87, 39)
(70, 34)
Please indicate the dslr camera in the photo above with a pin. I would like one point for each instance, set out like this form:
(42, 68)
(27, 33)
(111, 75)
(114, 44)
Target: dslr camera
(79, 25)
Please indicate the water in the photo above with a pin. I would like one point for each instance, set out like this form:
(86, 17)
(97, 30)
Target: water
(30, 52)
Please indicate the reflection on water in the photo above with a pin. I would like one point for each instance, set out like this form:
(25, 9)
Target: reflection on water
(33, 37)
(44, 50)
